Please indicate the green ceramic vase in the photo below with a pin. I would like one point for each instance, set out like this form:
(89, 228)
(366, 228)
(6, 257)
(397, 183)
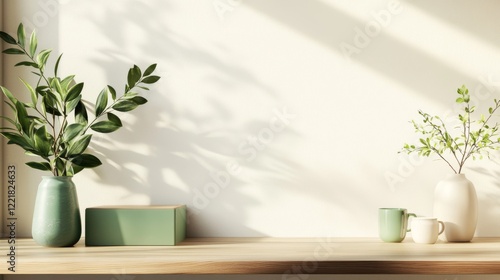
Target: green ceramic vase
(56, 219)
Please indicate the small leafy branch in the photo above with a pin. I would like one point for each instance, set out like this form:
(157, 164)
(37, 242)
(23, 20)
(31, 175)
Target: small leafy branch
(476, 138)
(54, 125)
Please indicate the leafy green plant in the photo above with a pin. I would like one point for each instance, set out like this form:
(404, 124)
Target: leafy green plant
(475, 138)
(54, 124)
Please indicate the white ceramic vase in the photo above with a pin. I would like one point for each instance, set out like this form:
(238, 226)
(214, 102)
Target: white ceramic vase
(455, 203)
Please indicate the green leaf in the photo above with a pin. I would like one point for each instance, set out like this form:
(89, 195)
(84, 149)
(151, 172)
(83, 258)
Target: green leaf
(75, 169)
(17, 139)
(423, 142)
(71, 105)
(81, 113)
(9, 95)
(60, 166)
(86, 161)
(7, 38)
(125, 106)
(43, 107)
(27, 63)
(51, 102)
(461, 90)
(114, 119)
(151, 79)
(38, 120)
(113, 92)
(56, 67)
(72, 131)
(74, 92)
(44, 166)
(42, 58)
(102, 102)
(143, 87)
(49, 105)
(134, 75)
(459, 100)
(22, 117)
(79, 145)
(150, 70)
(129, 95)
(139, 100)
(33, 43)
(13, 51)
(42, 142)
(68, 81)
(105, 126)
(21, 35)
(56, 83)
(34, 96)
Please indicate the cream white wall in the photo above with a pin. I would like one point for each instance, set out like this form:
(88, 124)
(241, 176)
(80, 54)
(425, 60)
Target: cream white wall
(328, 123)
(14, 12)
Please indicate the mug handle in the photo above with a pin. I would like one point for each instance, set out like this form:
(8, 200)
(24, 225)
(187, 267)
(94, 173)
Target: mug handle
(442, 227)
(411, 215)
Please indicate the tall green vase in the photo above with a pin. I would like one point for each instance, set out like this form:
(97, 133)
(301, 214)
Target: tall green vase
(56, 219)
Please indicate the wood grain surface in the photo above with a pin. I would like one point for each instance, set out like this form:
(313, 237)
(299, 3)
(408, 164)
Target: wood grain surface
(290, 257)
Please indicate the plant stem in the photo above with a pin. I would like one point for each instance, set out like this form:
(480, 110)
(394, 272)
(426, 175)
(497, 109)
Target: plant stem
(474, 147)
(453, 151)
(443, 158)
(55, 146)
(466, 126)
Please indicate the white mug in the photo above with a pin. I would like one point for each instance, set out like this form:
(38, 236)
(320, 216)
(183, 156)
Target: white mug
(426, 229)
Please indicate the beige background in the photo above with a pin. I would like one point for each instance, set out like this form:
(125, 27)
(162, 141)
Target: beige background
(328, 126)
(231, 70)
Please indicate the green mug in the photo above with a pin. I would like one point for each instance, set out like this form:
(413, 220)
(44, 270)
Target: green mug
(393, 224)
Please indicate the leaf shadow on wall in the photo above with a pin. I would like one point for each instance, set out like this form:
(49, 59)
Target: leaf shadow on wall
(488, 198)
(478, 19)
(184, 163)
(384, 53)
(387, 55)
(181, 155)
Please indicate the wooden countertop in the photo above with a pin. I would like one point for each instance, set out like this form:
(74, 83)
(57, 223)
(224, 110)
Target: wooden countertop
(262, 256)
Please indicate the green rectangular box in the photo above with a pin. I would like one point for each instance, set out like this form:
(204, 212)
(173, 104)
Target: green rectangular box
(135, 225)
